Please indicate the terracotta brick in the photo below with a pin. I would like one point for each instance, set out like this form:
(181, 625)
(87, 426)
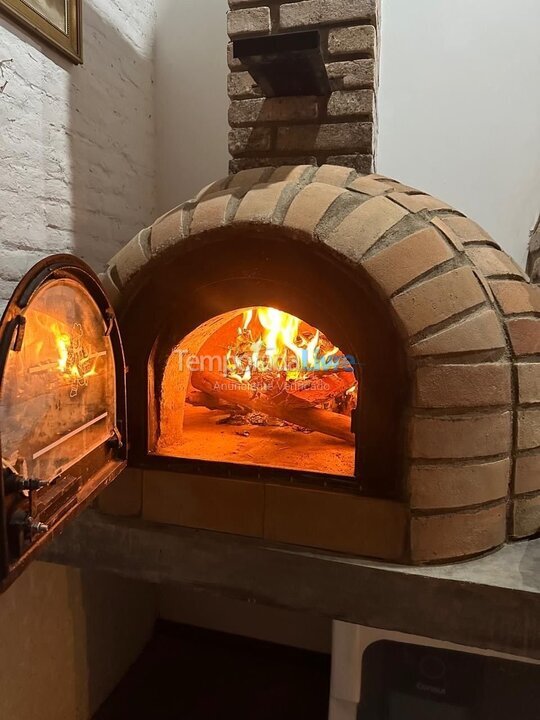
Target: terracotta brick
(448, 233)
(310, 205)
(524, 335)
(247, 178)
(132, 257)
(242, 85)
(481, 331)
(467, 230)
(211, 189)
(526, 517)
(395, 184)
(370, 186)
(461, 436)
(528, 429)
(433, 301)
(314, 13)
(357, 40)
(493, 262)
(168, 230)
(416, 203)
(515, 297)
(527, 473)
(361, 162)
(282, 109)
(457, 535)
(249, 139)
(260, 203)
(231, 506)
(291, 173)
(484, 283)
(453, 486)
(361, 229)
(402, 262)
(351, 74)
(353, 103)
(440, 386)
(123, 497)
(249, 21)
(335, 521)
(210, 213)
(528, 382)
(334, 136)
(333, 175)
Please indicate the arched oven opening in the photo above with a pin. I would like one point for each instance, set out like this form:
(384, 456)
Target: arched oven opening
(260, 387)
(249, 356)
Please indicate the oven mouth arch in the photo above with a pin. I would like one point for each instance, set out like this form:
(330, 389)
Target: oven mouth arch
(230, 268)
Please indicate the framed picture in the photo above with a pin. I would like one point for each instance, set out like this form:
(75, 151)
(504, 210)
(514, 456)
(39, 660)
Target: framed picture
(58, 22)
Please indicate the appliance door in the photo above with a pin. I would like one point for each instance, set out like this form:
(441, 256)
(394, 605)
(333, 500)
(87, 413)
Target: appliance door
(401, 681)
(62, 405)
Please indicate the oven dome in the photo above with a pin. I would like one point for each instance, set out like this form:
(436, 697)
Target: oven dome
(466, 316)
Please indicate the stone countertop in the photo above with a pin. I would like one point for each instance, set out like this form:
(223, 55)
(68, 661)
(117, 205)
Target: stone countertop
(492, 602)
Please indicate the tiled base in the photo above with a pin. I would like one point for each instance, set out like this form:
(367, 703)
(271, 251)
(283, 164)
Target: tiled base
(298, 516)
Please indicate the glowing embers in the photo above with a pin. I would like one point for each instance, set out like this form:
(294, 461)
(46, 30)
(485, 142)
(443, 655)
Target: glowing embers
(260, 387)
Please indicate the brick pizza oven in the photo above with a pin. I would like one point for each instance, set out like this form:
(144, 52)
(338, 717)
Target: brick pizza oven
(444, 326)
(316, 355)
(441, 324)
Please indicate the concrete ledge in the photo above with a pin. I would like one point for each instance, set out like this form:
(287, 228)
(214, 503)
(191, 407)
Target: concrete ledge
(492, 602)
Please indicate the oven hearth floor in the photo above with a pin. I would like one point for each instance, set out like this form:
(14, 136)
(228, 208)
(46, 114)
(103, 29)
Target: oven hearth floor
(204, 438)
(191, 674)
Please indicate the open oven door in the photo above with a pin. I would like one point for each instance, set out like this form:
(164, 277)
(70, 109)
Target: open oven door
(62, 405)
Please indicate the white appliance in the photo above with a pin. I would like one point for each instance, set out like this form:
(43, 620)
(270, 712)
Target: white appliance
(384, 675)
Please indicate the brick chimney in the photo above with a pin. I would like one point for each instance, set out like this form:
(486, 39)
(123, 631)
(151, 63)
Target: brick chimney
(338, 127)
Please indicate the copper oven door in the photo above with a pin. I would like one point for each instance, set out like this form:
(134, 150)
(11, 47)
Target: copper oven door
(62, 405)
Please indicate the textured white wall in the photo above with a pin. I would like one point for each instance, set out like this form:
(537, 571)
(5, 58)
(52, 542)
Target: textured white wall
(77, 144)
(459, 105)
(459, 108)
(77, 174)
(191, 97)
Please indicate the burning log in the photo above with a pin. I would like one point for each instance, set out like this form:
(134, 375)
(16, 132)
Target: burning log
(202, 399)
(278, 404)
(322, 388)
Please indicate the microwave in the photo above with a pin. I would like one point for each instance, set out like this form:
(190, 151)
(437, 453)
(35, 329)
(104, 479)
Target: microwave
(384, 675)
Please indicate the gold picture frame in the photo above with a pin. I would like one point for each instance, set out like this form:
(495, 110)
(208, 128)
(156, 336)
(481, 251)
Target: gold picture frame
(58, 22)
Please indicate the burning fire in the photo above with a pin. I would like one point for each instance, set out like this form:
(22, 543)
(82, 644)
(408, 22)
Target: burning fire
(270, 341)
(74, 362)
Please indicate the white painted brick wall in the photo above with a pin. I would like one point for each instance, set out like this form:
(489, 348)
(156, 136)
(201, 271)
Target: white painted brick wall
(77, 144)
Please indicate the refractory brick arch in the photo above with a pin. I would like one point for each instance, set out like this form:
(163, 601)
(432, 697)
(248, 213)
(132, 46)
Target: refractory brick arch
(468, 317)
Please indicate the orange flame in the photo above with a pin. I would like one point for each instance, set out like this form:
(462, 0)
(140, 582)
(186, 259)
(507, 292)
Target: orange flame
(280, 347)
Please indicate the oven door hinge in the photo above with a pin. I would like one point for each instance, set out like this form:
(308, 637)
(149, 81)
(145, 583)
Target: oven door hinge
(16, 483)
